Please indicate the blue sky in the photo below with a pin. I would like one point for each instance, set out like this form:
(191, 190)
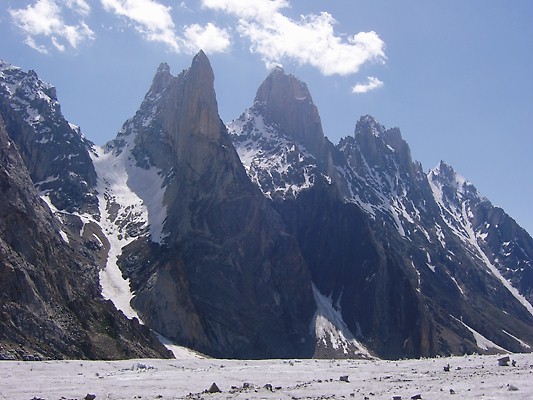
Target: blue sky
(455, 76)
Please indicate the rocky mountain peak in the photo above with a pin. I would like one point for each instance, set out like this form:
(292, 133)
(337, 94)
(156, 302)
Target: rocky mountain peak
(178, 121)
(204, 282)
(193, 104)
(368, 124)
(446, 175)
(285, 101)
(161, 79)
(451, 186)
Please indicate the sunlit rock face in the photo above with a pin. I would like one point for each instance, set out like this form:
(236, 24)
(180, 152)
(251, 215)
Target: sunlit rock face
(227, 279)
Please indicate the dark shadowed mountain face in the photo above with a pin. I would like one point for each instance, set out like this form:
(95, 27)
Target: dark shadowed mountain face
(407, 258)
(51, 306)
(260, 239)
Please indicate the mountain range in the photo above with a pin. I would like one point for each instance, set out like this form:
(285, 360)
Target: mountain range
(254, 239)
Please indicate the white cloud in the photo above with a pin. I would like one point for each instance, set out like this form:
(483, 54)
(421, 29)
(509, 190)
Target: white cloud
(371, 84)
(310, 40)
(151, 19)
(45, 18)
(154, 21)
(260, 10)
(208, 38)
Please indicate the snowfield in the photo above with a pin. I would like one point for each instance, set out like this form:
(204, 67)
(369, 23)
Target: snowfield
(470, 377)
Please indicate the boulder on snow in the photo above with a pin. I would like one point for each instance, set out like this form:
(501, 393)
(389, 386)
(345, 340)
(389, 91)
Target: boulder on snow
(504, 361)
(214, 389)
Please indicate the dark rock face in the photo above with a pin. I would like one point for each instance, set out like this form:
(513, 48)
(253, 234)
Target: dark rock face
(373, 289)
(50, 303)
(54, 151)
(228, 280)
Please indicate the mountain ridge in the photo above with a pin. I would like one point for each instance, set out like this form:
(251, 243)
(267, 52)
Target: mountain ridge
(373, 170)
(264, 239)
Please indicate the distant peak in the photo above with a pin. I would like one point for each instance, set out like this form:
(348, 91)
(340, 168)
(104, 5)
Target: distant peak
(446, 175)
(445, 172)
(285, 101)
(277, 69)
(200, 58)
(280, 84)
(368, 123)
(201, 68)
(5, 65)
(163, 68)
(161, 79)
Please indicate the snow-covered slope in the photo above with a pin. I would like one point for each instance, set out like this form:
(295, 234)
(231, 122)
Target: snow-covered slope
(131, 205)
(469, 377)
(52, 250)
(334, 339)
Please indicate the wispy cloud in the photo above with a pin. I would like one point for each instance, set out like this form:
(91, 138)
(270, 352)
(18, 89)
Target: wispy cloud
(371, 84)
(79, 6)
(45, 19)
(154, 21)
(310, 40)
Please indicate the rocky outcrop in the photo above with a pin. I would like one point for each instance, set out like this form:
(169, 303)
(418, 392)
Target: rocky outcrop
(375, 293)
(50, 303)
(227, 279)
